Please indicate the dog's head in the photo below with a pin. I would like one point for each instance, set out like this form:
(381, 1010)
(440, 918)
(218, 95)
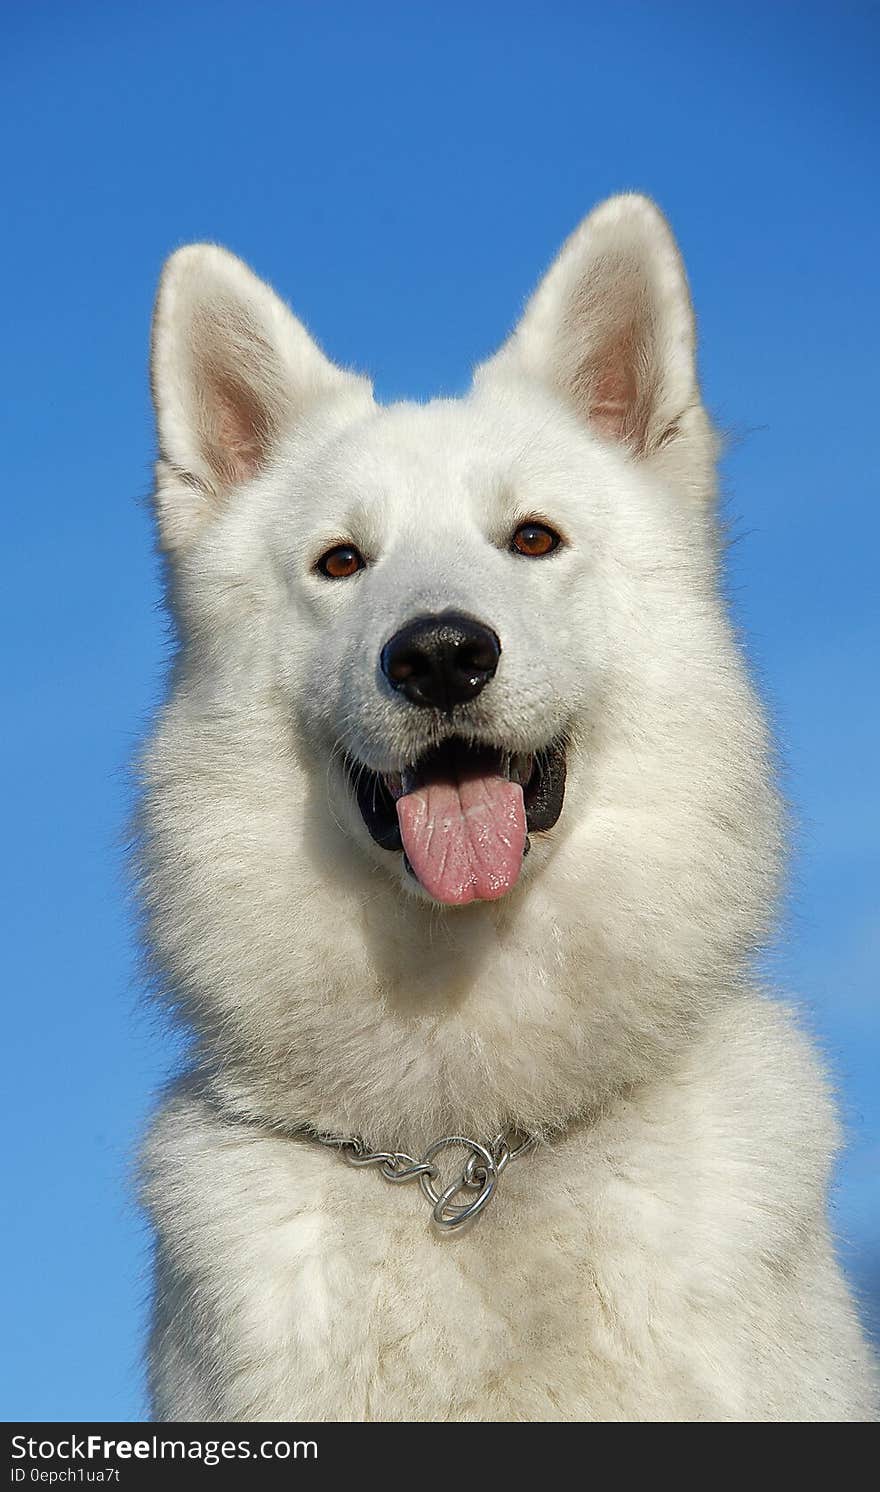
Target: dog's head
(464, 652)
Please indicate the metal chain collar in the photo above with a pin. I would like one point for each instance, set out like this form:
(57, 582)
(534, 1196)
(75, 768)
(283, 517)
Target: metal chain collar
(481, 1173)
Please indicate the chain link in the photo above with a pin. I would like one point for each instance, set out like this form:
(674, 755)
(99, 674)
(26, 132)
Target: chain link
(481, 1172)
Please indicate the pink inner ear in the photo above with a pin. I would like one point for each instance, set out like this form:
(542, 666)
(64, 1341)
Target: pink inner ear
(611, 319)
(613, 394)
(239, 433)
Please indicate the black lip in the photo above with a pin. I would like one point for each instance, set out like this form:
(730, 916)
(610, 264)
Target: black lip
(543, 794)
(378, 809)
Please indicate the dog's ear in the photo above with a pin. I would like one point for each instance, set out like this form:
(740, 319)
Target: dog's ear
(232, 372)
(611, 330)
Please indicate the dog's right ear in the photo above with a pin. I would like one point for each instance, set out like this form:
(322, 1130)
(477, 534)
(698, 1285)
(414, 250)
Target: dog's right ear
(610, 331)
(232, 373)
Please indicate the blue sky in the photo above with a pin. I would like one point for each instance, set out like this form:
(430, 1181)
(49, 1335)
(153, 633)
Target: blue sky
(402, 173)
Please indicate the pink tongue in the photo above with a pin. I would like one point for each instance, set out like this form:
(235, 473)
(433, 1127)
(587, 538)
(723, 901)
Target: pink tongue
(464, 840)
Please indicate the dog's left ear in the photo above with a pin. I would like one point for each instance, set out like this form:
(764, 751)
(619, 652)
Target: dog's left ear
(611, 331)
(233, 373)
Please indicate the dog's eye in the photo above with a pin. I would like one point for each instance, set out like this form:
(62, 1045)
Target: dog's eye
(535, 540)
(340, 562)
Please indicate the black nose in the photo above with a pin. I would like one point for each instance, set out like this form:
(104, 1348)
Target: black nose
(441, 660)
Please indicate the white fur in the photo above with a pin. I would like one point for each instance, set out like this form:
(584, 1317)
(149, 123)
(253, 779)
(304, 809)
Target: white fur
(665, 1255)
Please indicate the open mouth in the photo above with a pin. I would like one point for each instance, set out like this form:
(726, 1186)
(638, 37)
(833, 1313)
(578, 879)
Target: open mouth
(462, 814)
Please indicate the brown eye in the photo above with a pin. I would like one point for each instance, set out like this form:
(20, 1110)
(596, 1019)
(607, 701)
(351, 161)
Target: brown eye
(340, 562)
(535, 540)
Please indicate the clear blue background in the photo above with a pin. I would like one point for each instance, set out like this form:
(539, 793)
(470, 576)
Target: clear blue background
(402, 173)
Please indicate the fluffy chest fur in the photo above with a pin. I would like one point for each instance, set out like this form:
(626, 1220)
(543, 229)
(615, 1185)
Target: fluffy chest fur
(660, 1262)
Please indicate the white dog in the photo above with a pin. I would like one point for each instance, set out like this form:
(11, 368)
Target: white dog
(459, 825)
